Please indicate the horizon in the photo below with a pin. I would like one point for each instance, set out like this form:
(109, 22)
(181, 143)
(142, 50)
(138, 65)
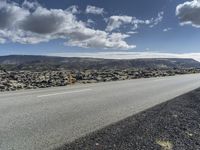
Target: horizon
(119, 56)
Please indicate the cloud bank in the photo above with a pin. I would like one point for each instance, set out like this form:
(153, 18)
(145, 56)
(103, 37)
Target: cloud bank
(115, 22)
(129, 55)
(189, 13)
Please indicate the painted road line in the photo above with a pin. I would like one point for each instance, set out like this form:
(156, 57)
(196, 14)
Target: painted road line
(39, 90)
(68, 92)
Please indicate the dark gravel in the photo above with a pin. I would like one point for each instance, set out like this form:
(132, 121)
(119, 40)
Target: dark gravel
(172, 125)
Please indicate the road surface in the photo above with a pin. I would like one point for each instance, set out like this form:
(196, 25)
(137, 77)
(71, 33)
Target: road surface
(48, 118)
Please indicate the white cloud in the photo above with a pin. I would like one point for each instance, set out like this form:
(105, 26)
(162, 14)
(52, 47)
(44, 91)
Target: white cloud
(167, 29)
(73, 9)
(90, 22)
(129, 55)
(10, 14)
(95, 39)
(189, 13)
(43, 21)
(94, 10)
(157, 20)
(132, 32)
(31, 23)
(30, 5)
(115, 22)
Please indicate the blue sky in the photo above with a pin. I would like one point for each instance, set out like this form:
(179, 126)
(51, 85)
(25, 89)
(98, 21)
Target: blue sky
(51, 27)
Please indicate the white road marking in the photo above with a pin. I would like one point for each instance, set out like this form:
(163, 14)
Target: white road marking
(20, 93)
(32, 91)
(68, 92)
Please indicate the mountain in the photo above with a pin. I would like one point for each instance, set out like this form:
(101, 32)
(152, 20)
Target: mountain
(41, 63)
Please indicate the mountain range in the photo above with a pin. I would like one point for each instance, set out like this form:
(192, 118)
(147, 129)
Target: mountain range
(42, 63)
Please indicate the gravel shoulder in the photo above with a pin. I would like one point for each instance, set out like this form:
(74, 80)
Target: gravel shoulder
(171, 125)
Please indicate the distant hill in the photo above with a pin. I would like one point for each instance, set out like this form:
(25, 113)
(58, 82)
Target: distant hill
(41, 63)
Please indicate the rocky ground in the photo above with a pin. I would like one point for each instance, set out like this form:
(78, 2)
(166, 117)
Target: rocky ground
(173, 125)
(15, 80)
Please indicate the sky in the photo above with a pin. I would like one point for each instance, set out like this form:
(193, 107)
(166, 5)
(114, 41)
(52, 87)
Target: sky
(101, 28)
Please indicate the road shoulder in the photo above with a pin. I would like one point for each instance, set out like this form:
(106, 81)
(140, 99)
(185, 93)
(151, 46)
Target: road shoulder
(171, 125)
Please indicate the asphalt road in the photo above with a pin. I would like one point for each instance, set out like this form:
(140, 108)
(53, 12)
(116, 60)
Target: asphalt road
(48, 118)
